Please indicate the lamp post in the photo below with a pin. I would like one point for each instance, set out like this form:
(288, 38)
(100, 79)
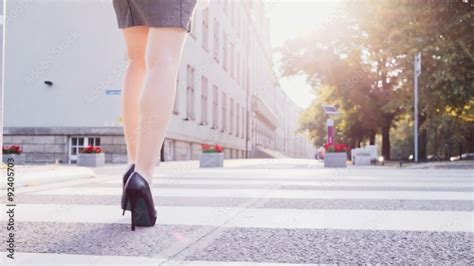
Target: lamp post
(417, 74)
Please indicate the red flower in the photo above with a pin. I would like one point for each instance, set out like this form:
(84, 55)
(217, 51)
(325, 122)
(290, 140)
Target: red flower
(13, 149)
(219, 148)
(211, 148)
(336, 147)
(91, 149)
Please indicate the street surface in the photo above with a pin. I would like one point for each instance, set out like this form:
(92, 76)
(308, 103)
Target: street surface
(276, 211)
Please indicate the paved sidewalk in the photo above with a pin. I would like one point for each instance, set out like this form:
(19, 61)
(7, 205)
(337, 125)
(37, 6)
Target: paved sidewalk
(468, 164)
(35, 174)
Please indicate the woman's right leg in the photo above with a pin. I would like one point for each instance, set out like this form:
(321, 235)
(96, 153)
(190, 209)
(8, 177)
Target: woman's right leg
(163, 56)
(136, 41)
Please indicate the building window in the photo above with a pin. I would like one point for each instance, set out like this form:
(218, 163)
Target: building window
(215, 106)
(243, 34)
(190, 73)
(77, 144)
(216, 40)
(245, 74)
(244, 121)
(231, 120)
(239, 19)
(176, 98)
(205, 29)
(232, 15)
(204, 85)
(169, 149)
(224, 114)
(232, 72)
(237, 111)
(238, 67)
(224, 54)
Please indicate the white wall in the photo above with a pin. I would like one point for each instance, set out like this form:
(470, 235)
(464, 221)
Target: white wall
(76, 45)
(1, 72)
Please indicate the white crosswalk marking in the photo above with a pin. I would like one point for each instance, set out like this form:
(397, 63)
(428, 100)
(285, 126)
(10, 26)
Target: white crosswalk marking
(264, 218)
(46, 259)
(424, 214)
(283, 194)
(309, 182)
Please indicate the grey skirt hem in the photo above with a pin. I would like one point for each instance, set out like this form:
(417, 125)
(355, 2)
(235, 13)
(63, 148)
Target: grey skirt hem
(158, 25)
(155, 13)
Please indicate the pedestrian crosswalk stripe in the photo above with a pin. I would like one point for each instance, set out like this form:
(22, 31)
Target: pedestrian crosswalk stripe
(380, 173)
(314, 177)
(22, 258)
(258, 217)
(267, 193)
(307, 183)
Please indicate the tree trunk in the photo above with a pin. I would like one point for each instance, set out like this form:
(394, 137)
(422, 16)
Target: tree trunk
(422, 138)
(422, 143)
(446, 152)
(386, 142)
(372, 139)
(436, 148)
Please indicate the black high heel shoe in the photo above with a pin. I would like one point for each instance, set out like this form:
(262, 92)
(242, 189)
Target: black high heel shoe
(125, 203)
(142, 207)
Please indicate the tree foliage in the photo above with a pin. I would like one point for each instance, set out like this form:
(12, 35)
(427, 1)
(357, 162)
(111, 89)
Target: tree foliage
(363, 62)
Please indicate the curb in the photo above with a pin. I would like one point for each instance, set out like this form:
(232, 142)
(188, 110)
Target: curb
(34, 175)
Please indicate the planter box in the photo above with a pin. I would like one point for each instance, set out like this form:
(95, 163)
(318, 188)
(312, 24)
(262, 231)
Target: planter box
(362, 159)
(18, 158)
(91, 159)
(335, 159)
(211, 159)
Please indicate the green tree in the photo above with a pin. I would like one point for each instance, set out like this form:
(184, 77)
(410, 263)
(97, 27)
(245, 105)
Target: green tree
(442, 32)
(364, 62)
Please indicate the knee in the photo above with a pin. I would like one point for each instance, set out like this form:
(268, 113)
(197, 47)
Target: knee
(136, 59)
(162, 63)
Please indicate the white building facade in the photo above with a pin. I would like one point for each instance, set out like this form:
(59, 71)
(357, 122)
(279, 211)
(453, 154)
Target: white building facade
(64, 66)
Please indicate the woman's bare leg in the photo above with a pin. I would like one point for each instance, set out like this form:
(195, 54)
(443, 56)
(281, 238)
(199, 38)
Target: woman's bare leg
(162, 58)
(136, 39)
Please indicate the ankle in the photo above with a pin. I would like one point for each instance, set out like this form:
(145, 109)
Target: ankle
(147, 176)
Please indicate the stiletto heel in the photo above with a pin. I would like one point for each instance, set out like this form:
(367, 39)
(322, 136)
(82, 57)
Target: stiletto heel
(125, 203)
(133, 204)
(138, 193)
